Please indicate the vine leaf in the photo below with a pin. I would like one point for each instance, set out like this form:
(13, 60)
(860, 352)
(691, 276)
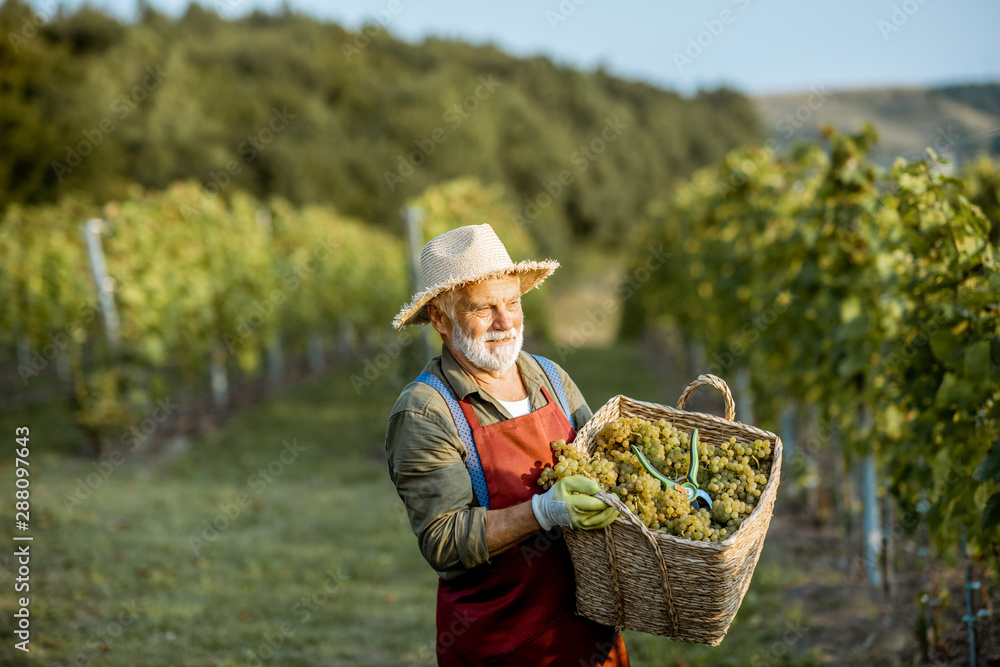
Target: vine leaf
(991, 515)
(943, 343)
(989, 467)
(977, 361)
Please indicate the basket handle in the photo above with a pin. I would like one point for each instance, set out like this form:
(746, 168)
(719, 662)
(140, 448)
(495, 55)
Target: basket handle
(716, 382)
(613, 500)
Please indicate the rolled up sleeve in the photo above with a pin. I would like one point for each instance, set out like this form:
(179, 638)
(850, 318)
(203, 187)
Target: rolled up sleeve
(426, 463)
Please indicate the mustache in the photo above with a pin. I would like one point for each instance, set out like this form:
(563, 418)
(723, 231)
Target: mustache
(500, 335)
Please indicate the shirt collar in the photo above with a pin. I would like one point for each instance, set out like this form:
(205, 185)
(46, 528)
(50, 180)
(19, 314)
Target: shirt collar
(463, 384)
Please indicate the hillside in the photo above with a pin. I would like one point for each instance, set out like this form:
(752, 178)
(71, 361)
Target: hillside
(286, 105)
(958, 121)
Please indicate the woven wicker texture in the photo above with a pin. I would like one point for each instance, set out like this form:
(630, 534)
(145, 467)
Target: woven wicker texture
(467, 254)
(629, 576)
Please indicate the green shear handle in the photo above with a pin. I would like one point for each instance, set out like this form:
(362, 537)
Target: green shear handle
(690, 487)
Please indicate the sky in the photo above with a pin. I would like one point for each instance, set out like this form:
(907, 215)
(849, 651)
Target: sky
(760, 47)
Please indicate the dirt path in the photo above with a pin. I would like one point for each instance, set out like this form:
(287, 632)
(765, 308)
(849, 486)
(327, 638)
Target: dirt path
(847, 622)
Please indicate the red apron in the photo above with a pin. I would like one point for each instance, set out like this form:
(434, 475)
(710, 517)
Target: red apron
(519, 609)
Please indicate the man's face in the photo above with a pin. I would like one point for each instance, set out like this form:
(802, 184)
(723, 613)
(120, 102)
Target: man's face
(489, 324)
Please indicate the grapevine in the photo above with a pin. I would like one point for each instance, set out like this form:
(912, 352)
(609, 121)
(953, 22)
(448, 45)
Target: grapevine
(870, 294)
(194, 275)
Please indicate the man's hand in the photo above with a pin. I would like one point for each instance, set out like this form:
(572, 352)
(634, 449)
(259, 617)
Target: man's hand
(570, 503)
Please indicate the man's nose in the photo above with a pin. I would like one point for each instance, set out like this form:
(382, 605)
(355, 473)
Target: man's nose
(503, 321)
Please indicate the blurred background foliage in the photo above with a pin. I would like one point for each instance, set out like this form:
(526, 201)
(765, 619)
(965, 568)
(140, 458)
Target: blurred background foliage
(181, 98)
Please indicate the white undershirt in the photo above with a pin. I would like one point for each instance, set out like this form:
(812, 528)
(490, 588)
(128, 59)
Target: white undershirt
(518, 408)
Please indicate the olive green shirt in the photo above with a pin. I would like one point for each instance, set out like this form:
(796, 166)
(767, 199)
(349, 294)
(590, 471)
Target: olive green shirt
(427, 458)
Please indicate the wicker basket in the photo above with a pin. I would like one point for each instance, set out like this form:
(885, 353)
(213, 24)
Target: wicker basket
(629, 576)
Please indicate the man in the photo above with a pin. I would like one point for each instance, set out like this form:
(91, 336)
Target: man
(466, 444)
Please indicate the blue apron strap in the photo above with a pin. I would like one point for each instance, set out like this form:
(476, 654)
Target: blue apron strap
(553, 374)
(472, 461)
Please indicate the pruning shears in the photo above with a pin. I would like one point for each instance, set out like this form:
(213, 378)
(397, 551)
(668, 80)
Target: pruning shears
(697, 496)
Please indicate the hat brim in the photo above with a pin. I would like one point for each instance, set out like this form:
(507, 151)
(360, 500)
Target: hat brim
(531, 273)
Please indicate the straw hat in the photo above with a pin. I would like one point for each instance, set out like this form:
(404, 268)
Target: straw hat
(467, 255)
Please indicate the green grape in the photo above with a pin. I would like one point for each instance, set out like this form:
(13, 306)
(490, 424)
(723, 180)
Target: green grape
(739, 472)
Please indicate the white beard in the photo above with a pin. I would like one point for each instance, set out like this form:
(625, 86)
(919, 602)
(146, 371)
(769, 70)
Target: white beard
(480, 356)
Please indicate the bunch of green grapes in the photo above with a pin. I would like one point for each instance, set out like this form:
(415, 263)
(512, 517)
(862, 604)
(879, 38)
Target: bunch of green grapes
(736, 474)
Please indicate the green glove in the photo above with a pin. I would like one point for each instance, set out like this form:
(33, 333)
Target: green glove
(571, 503)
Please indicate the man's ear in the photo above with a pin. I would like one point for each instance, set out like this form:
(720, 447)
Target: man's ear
(439, 320)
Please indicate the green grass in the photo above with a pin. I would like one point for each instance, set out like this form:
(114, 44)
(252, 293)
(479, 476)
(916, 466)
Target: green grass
(320, 559)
